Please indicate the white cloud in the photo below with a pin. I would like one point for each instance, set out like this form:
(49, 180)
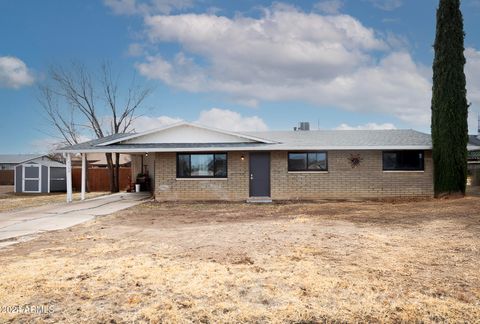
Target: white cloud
(45, 145)
(215, 117)
(122, 7)
(369, 126)
(230, 120)
(330, 7)
(472, 72)
(50, 144)
(135, 49)
(134, 7)
(387, 5)
(287, 54)
(144, 123)
(14, 73)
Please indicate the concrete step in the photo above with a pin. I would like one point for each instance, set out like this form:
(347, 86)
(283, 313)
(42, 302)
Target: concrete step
(259, 200)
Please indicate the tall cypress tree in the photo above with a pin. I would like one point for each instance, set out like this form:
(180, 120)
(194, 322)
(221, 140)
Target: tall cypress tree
(449, 102)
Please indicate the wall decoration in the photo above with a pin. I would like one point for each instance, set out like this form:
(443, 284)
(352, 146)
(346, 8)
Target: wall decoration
(355, 160)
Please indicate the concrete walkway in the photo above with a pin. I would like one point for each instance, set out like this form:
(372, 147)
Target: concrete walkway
(18, 226)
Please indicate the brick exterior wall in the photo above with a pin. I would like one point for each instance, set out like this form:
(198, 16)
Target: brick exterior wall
(169, 188)
(340, 182)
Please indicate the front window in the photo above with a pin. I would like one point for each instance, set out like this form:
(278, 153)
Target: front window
(202, 165)
(307, 161)
(403, 161)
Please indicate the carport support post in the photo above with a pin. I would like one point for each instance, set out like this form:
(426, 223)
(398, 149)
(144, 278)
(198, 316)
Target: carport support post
(69, 178)
(84, 175)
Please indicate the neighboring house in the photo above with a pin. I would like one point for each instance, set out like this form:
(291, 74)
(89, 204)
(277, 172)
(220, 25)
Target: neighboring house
(98, 173)
(9, 161)
(474, 148)
(192, 162)
(40, 174)
(474, 159)
(98, 160)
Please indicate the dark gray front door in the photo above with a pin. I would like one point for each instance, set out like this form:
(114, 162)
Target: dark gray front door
(260, 174)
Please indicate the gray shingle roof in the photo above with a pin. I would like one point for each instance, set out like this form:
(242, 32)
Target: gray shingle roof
(95, 142)
(474, 140)
(285, 140)
(17, 158)
(362, 138)
(45, 160)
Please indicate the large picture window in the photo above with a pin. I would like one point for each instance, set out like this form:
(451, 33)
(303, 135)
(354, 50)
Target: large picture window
(202, 165)
(403, 161)
(307, 161)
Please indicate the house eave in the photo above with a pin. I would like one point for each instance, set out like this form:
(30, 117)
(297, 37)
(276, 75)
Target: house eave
(246, 148)
(473, 148)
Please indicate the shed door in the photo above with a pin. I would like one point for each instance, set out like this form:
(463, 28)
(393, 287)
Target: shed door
(58, 179)
(259, 174)
(31, 178)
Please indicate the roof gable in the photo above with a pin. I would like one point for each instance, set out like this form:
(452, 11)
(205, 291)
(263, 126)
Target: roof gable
(17, 158)
(186, 133)
(46, 161)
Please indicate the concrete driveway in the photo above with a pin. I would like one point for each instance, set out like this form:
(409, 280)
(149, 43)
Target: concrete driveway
(18, 226)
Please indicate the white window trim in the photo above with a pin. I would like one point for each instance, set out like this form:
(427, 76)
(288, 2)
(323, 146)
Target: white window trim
(403, 171)
(308, 172)
(25, 178)
(201, 179)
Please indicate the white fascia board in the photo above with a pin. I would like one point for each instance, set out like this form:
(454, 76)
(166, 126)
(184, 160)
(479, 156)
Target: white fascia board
(136, 135)
(253, 148)
(473, 148)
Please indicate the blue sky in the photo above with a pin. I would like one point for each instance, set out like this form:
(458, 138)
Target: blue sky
(239, 65)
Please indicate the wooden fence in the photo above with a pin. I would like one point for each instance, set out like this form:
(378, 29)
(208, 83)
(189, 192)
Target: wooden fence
(6, 177)
(99, 179)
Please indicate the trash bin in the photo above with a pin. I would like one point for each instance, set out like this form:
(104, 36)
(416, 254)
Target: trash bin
(137, 187)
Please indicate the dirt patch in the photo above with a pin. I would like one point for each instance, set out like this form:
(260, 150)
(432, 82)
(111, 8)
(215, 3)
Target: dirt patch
(304, 262)
(13, 201)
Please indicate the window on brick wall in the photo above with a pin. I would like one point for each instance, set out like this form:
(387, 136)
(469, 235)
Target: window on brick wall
(307, 161)
(201, 165)
(403, 160)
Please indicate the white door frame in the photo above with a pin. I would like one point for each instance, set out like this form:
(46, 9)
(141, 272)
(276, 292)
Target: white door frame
(39, 179)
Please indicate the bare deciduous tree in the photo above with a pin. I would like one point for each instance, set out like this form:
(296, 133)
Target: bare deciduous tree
(77, 101)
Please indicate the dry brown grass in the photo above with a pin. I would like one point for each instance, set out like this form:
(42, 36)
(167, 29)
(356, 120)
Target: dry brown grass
(301, 262)
(12, 201)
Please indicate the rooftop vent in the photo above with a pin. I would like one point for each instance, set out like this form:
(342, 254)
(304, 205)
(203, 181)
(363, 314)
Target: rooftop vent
(302, 126)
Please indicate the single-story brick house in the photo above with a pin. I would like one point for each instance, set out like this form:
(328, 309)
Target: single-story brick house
(474, 158)
(190, 162)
